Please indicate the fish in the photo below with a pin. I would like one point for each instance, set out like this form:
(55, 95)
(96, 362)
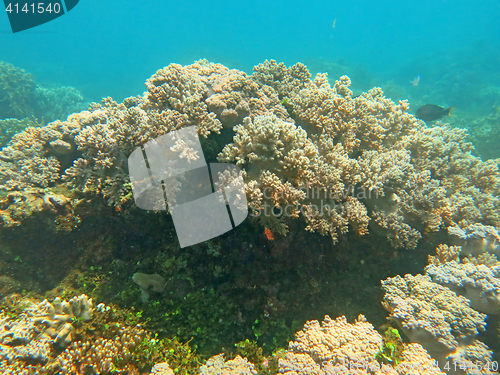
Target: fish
(415, 81)
(431, 112)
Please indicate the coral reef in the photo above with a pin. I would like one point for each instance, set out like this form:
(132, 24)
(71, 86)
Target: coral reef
(17, 92)
(306, 148)
(20, 97)
(338, 347)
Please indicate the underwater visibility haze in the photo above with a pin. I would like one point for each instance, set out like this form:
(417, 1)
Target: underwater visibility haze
(251, 188)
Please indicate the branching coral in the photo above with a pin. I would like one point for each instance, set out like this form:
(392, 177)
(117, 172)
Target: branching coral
(307, 148)
(444, 254)
(361, 146)
(209, 95)
(399, 233)
(30, 168)
(286, 81)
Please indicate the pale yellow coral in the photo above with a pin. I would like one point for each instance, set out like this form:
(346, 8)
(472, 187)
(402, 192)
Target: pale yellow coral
(445, 253)
(237, 366)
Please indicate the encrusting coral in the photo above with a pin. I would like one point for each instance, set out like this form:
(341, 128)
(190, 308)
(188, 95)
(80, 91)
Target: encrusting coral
(307, 148)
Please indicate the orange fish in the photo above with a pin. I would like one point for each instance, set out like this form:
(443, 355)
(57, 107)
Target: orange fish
(269, 234)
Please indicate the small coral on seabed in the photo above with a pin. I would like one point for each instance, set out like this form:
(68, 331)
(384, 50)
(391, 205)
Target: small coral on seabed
(439, 319)
(46, 339)
(236, 366)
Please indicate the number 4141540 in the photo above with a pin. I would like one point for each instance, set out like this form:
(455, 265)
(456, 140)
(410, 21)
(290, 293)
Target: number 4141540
(34, 8)
(469, 365)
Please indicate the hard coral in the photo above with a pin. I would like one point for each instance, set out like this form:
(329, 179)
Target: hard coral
(307, 148)
(48, 338)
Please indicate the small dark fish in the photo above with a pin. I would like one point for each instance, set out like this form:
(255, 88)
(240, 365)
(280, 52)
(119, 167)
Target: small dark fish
(431, 112)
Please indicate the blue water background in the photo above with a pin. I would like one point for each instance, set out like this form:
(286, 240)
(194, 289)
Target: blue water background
(109, 48)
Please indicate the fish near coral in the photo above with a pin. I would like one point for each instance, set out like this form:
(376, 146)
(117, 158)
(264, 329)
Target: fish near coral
(431, 112)
(415, 81)
(269, 234)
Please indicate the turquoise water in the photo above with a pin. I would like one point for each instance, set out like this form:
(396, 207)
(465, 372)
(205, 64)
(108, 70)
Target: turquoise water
(109, 48)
